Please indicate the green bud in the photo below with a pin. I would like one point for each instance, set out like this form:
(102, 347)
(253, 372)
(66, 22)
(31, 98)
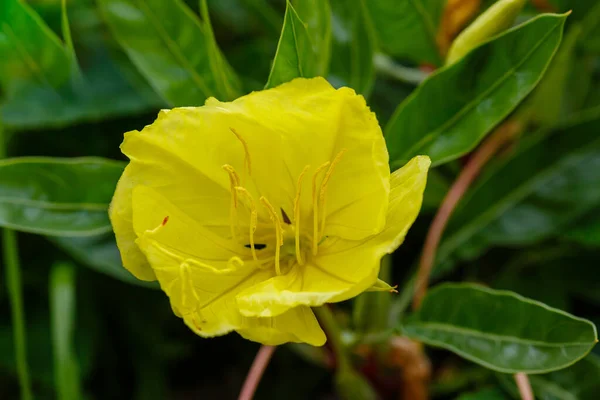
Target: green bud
(494, 20)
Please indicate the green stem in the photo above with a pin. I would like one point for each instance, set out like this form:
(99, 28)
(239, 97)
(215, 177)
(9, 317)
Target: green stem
(13, 282)
(334, 336)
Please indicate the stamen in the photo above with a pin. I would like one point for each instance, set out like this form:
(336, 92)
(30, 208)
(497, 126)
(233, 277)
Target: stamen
(323, 190)
(297, 214)
(234, 181)
(246, 151)
(278, 231)
(253, 219)
(316, 207)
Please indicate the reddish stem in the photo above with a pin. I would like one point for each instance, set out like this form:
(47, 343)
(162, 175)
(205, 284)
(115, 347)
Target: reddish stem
(256, 372)
(524, 386)
(485, 152)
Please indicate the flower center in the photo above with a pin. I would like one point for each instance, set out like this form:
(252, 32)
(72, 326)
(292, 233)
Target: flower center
(285, 235)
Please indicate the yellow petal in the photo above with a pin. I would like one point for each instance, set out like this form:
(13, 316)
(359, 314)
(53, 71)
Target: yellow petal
(297, 325)
(343, 269)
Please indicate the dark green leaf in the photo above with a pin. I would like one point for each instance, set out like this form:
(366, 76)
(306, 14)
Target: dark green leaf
(586, 230)
(547, 184)
(29, 50)
(500, 330)
(62, 315)
(171, 48)
(101, 254)
(296, 54)
(457, 106)
(53, 196)
(408, 28)
(316, 14)
(353, 46)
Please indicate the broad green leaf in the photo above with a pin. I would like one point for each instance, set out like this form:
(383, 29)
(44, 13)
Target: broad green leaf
(408, 28)
(316, 14)
(297, 55)
(435, 191)
(171, 48)
(62, 315)
(591, 29)
(353, 46)
(29, 50)
(99, 253)
(547, 184)
(580, 381)
(54, 196)
(449, 114)
(110, 85)
(500, 330)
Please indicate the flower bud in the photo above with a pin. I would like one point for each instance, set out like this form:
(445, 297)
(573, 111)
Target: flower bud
(494, 20)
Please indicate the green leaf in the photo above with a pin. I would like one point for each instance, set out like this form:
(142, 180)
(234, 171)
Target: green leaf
(353, 46)
(316, 14)
(586, 230)
(408, 28)
(297, 52)
(449, 114)
(29, 50)
(172, 49)
(547, 184)
(500, 330)
(101, 254)
(62, 315)
(53, 196)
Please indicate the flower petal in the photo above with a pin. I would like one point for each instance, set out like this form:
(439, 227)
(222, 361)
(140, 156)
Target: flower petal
(343, 269)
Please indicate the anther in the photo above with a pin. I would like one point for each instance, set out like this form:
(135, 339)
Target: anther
(253, 218)
(315, 197)
(323, 190)
(297, 214)
(278, 231)
(246, 151)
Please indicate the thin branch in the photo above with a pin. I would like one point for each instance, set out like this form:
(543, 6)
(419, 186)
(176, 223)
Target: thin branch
(502, 135)
(524, 386)
(256, 372)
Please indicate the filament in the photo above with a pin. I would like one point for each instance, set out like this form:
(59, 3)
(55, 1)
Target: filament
(315, 197)
(278, 231)
(323, 190)
(247, 160)
(234, 181)
(297, 214)
(253, 218)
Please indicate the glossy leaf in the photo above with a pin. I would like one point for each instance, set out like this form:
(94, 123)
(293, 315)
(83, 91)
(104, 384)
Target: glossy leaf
(29, 50)
(547, 184)
(316, 14)
(353, 46)
(408, 28)
(171, 48)
(478, 91)
(500, 330)
(484, 394)
(99, 253)
(53, 196)
(296, 55)
(62, 314)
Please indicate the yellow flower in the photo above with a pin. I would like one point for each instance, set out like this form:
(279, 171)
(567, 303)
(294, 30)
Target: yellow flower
(249, 213)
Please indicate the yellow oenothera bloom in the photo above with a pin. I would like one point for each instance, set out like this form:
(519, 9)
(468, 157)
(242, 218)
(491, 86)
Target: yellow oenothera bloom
(249, 213)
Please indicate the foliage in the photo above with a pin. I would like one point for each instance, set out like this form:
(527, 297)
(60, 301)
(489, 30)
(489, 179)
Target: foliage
(522, 245)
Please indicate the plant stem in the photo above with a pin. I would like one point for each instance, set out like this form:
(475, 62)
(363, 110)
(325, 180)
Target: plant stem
(524, 386)
(256, 372)
(13, 283)
(502, 135)
(334, 336)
